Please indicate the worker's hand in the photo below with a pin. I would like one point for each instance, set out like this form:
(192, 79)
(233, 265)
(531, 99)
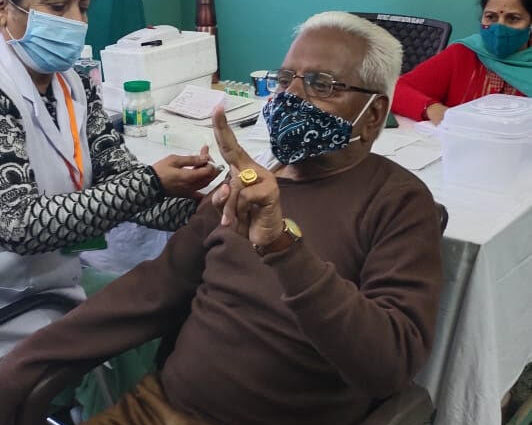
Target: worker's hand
(253, 211)
(436, 112)
(183, 176)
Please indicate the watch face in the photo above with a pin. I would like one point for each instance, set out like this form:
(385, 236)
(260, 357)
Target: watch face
(293, 228)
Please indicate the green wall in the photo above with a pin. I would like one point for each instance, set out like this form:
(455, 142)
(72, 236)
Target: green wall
(255, 34)
(167, 12)
(189, 14)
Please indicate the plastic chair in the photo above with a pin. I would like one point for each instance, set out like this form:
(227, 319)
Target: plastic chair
(421, 38)
(412, 406)
(33, 302)
(62, 305)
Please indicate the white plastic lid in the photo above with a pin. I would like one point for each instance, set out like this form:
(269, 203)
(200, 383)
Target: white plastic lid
(164, 33)
(86, 53)
(500, 115)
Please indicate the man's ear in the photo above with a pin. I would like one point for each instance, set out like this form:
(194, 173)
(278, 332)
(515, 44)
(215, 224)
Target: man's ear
(376, 117)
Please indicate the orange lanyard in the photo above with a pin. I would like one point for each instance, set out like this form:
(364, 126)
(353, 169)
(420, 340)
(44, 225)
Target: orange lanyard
(78, 155)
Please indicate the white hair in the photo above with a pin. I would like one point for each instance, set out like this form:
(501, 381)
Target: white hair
(382, 64)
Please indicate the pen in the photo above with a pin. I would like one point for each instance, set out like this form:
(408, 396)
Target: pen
(247, 123)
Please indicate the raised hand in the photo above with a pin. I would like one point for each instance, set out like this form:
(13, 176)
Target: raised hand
(253, 210)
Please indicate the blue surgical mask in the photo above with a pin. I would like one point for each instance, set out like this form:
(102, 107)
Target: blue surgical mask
(51, 43)
(300, 130)
(502, 40)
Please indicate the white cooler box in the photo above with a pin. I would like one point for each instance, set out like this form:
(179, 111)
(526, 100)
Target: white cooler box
(168, 58)
(487, 143)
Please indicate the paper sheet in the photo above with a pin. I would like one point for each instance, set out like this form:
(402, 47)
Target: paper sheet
(417, 156)
(390, 141)
(199, 103)
(426, 128)
(259, 132)
(236, 116)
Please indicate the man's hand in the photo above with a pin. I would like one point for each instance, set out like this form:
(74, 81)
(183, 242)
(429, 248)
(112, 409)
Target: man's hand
(183, 176)
(253, 211)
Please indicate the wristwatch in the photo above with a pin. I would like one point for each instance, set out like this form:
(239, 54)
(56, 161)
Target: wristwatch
(290, 235)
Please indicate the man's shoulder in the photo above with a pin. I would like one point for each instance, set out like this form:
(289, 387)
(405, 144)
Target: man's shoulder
(395, 187)
(399, 197)
(391, 176)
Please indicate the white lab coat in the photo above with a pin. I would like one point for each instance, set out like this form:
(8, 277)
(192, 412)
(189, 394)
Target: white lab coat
(46, 147)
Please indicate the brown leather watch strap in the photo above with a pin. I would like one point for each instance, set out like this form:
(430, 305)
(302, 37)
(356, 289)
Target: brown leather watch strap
(290, 235)
(284, 241)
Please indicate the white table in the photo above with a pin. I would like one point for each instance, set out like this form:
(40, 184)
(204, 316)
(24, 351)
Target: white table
(484, 330)
(484, 337)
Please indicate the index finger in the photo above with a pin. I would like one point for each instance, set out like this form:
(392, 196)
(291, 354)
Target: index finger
(178, 161)
(231, 151)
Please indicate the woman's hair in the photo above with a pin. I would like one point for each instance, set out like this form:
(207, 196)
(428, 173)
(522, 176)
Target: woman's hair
(382, 64)
(527, 4)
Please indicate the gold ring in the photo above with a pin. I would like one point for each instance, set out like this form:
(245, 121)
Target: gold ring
(248, 176)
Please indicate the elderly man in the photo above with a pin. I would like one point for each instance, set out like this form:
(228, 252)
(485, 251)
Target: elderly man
(307, 323)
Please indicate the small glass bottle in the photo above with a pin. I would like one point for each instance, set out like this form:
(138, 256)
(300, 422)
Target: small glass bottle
(227, 87)
(244, 90)
(90, 68)
(233, 89)
(138, 108)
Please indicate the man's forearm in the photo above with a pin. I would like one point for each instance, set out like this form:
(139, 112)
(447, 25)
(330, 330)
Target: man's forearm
(133, 309)
(369, 337)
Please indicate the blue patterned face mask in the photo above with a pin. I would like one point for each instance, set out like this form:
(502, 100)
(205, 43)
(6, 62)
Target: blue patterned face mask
(300, 130)
(502, 40)
(51, 43)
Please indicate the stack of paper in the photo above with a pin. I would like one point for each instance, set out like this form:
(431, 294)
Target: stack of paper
(409, 149)
(237, 116)
(199, 103)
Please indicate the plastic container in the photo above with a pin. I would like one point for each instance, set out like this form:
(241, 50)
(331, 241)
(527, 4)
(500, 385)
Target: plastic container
(90, 68)
(259, 83)
(487, 143)
(138, 108)
(162, 54)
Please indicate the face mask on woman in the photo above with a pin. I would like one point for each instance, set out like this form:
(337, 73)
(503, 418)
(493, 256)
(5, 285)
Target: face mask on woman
(502, 40)
(51, 43)
(300, 130)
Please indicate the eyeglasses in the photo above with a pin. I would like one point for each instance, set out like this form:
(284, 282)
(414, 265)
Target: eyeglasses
(316, 84)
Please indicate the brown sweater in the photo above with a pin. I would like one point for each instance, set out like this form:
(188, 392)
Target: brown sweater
(312, 335)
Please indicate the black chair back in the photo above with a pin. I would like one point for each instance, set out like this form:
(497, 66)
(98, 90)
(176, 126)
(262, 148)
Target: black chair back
(421, 38)
(33, 302)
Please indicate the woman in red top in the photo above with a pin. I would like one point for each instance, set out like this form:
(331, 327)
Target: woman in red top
(498, 60)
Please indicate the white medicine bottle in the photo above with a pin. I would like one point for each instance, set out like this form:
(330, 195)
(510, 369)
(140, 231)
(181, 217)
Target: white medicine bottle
(138, 108)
